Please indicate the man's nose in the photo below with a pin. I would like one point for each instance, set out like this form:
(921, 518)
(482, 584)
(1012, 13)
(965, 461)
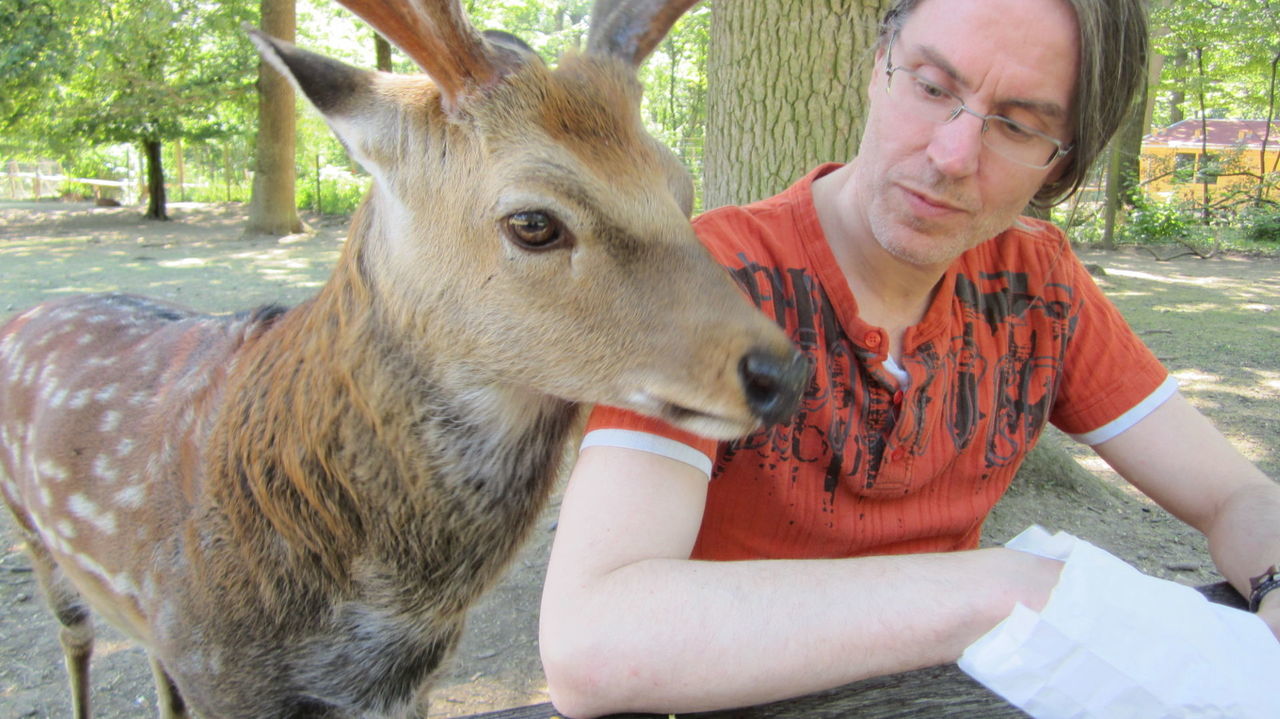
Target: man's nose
(956, 146)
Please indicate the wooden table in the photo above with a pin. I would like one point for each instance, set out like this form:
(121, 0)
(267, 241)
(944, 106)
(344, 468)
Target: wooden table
(943, 691)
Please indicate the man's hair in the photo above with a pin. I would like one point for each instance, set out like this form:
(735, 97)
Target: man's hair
(1112, 72)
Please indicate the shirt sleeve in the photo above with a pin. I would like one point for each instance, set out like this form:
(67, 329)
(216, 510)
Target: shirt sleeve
(612, 427)
(1111, 380)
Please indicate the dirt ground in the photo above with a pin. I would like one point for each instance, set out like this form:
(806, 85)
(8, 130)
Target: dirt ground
(1214, 323)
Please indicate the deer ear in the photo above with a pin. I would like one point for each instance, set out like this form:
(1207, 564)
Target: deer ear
(333, 87)
(343, 94)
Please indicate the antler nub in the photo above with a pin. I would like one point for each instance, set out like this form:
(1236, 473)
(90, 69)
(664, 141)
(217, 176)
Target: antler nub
(437, 35)
(630, 30)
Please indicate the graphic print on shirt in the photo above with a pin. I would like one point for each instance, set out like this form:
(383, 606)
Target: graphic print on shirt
(848, 414)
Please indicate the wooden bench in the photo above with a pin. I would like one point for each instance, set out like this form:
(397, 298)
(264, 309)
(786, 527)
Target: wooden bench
(942, 691)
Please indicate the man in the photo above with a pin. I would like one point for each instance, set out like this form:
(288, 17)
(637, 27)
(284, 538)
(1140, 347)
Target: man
(945, 332)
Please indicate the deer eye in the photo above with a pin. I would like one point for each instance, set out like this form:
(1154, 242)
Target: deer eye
(534, 230)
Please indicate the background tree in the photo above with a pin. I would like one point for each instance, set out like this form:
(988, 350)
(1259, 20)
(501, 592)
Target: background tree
(36, 54)
(143, 72)
(675, 81)
(273, 208)
(786, 90)
(1221, 58)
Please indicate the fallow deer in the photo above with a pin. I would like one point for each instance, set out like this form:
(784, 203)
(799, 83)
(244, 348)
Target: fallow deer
(292, 509)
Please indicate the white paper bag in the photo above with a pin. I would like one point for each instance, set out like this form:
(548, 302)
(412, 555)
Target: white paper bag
(1114, 643)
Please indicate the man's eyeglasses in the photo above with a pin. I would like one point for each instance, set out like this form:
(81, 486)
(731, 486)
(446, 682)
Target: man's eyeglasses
(1010, 139)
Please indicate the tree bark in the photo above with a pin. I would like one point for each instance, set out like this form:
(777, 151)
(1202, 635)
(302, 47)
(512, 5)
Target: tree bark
(1112, 205)
(1123, 159)
(1266, 136)
(156, 209)
(272, 208)
(787, 83)
(382, 53)
(1177, 96)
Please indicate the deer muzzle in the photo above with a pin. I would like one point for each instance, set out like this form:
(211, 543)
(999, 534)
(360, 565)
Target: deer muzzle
(773, 383)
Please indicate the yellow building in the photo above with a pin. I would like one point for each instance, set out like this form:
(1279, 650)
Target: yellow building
(1178, 159)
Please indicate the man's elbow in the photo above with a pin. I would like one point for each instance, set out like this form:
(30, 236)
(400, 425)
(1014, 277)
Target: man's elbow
(583, 676)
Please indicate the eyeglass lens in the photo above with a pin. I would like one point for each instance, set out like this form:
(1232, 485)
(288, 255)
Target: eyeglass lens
(1010, 139)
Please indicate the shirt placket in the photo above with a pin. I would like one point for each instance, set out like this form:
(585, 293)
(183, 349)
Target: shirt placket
(893, 476)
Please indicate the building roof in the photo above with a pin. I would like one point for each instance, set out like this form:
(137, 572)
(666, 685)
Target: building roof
(1222, 134)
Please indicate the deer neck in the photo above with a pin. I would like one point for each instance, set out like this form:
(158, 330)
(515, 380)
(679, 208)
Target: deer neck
(357, 450)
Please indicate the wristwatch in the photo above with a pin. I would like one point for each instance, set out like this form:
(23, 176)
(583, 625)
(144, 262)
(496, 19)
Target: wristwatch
(1262, 584)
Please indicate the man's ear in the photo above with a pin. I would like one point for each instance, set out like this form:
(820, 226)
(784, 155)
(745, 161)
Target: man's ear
(877, 65)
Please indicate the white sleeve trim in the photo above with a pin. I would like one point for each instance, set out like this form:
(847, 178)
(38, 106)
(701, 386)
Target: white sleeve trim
(1113, 428)
(646, 442)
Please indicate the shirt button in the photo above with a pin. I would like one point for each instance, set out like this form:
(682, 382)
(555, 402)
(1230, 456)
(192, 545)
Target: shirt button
(872, 339)
(898, 454)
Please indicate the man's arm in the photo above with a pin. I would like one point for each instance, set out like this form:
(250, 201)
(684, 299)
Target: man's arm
(1178, 458)
(630, 623)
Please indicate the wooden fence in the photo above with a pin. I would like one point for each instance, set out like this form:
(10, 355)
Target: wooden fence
(45, 180)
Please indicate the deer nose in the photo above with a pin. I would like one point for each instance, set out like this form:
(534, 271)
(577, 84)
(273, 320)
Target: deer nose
(773, 383)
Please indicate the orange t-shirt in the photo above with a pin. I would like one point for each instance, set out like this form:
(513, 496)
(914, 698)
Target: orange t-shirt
(1017, 334)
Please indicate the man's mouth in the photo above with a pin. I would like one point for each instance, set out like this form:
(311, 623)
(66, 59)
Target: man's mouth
(928, 204)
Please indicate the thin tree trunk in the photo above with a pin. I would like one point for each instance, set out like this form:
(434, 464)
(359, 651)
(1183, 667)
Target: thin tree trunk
(273, 208)
(156, 209)
(1123, 158)
(1177, 96)
(1155, 67)
(1112, 206)
(180, 166)
(1266, 133)
(1204, 137)
(382, 53)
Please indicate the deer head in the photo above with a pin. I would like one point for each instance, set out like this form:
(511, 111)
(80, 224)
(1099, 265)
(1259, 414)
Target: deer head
(522, 222)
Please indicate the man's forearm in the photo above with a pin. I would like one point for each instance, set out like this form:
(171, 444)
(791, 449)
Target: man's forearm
(678, 635)
(1244, 540)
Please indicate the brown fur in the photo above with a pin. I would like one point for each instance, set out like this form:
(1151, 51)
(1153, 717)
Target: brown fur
(292, 510)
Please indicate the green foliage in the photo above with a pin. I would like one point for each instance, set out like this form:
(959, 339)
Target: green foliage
(675, 100)
(1235, 40)
(1261, 224)
(98, 163)
(33, 59)
(79, 78)
(1157, 222)
(333, 190)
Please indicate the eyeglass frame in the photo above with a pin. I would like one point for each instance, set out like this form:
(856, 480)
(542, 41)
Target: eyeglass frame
(1062, 150)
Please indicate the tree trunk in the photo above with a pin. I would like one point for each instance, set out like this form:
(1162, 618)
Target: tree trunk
(180, 166)
(1266, 136)
(272, 208)
(1112, 206)
(787, 82)
(1123, 158)
(1177, 96)
(382, 53)
(1204, 135)
(1155, 67)
(155, 181)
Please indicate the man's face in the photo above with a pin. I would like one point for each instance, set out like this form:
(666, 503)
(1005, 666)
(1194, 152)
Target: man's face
(934, 190)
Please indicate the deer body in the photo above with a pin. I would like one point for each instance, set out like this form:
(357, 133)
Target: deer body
(293, 509)
(371, 596)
